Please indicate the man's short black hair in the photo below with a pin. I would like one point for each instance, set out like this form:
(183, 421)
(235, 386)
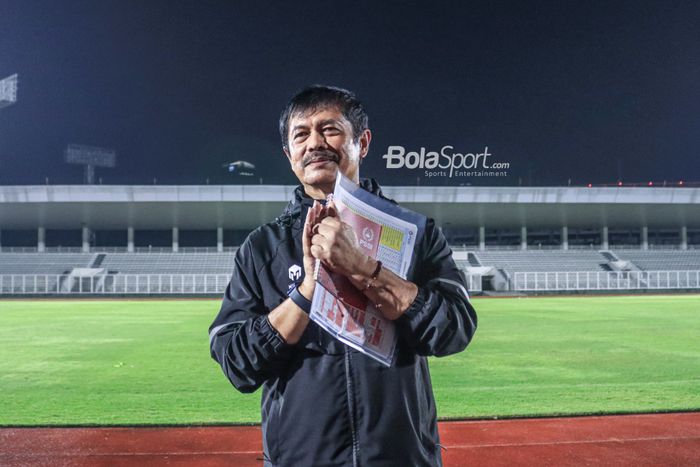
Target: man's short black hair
(317, 97)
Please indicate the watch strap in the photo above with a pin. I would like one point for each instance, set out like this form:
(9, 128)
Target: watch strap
(301, 301)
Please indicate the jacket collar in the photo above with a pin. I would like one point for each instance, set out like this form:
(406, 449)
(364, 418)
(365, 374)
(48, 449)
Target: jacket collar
(296, 209)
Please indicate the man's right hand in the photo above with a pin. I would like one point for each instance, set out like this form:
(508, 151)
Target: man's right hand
(288, 319)
(314, 215)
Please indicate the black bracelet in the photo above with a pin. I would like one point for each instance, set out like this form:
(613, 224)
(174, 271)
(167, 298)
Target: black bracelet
(373, 277)
(301, 301)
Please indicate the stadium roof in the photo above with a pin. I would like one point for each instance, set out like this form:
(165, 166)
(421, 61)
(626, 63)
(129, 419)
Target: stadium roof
(247, 206)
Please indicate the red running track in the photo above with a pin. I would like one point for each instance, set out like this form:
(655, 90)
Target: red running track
(626, 440)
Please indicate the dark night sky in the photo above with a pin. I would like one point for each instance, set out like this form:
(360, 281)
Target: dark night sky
(561, 90)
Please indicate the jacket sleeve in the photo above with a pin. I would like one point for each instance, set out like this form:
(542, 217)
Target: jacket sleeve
(441, 320)
(241, 338)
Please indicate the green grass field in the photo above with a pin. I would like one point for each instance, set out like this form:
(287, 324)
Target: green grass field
(147, 362)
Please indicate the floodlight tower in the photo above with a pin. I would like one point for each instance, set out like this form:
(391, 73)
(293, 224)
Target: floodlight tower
(90, 157)
(8, 91)
(243, 168)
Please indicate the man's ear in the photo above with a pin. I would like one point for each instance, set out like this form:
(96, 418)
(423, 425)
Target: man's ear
(365, 139)
(286, 153)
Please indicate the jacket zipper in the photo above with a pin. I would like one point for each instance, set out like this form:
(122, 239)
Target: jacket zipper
(351, 406)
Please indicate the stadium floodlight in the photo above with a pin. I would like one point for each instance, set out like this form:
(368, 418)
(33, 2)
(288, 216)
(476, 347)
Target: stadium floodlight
(90, 157)
(243, 168)
(8, 91)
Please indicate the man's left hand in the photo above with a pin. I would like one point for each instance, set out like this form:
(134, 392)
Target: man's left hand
(335, 243)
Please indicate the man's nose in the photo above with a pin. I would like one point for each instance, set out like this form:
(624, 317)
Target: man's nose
(316, 140)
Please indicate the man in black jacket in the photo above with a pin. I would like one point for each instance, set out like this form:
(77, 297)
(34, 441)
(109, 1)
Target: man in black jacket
(324, 403)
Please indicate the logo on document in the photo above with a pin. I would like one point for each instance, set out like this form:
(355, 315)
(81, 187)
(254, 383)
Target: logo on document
(366, 238)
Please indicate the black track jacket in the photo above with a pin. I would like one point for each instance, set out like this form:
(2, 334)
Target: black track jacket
(323, 403)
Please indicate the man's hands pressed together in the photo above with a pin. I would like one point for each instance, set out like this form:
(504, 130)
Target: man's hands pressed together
(335, 244)
(288, 319)
(327, 238)
(313, 216)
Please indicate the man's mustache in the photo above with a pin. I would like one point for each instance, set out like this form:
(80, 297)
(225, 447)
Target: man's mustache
(318, 156)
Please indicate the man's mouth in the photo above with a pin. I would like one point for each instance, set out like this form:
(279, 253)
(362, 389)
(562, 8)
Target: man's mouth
(318, 159)
(319, 162)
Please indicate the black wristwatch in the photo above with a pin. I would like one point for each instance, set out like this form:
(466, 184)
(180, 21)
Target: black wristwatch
(301, 301)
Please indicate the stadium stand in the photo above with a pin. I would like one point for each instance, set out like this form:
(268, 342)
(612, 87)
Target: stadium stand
(662, 260)
(139, 273)
(180, 239)
(42, 263)
(208, 272)
(168, 263)
(127, 263)
(542, 260)
(581, 270)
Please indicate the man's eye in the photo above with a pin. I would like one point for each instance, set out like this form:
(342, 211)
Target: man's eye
(301, 134)
(330, 129)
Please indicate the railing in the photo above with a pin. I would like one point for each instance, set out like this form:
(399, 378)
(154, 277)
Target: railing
(228, 249)
(129, 284)
(655, 247)
(33, 249)
(605, 280)
(108, 284)
(117, 249)
(194, 284)
(591, 247)
(164, 249)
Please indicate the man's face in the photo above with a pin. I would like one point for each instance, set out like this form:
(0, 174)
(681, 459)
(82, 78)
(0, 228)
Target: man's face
(319, 144)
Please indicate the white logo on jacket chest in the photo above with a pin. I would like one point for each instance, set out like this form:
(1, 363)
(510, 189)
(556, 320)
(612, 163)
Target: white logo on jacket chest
(295, 272)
